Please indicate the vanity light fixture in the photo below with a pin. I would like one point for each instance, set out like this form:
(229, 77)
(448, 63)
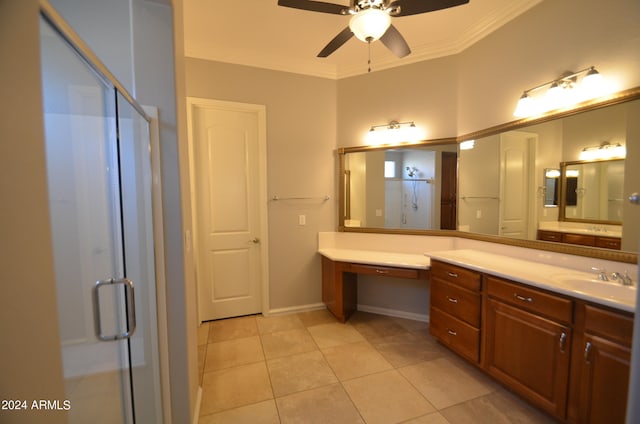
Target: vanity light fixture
(605, 150)
(394, 132)
(566, 90)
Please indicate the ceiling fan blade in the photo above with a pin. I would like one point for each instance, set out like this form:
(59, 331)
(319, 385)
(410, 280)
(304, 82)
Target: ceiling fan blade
(414, 7)
(344, 36)
(315, 6)
(395, 42)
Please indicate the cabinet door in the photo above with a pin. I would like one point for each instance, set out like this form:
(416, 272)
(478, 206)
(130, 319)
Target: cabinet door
(604, 382)
(530, 354)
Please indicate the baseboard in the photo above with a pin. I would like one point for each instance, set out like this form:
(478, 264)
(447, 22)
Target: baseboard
(196, 412)
(394, 313)
(295, 309)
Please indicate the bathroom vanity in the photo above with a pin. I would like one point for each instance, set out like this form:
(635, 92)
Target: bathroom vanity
(538, 329)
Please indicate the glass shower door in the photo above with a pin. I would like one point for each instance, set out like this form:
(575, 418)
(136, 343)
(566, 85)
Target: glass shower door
(99, 180)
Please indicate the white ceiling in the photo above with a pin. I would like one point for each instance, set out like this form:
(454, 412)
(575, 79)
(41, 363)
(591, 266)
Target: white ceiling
(260, 33)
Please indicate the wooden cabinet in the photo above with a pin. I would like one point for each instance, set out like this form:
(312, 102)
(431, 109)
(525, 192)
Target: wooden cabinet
(602, 362)
(528, 342)
(581, 239)
(566, 356)
(455, 313)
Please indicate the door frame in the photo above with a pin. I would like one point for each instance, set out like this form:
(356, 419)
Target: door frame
(260, 110)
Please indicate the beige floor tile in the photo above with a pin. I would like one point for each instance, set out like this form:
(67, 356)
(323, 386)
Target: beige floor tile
(324, 405)
(499, 407)
(355, 360)
(299, 372)
(334, 334)
(412, 325)
(257, 413)
(433, 418)
(268, 325)
(321, 316)
(445, 383)
(284, 343)
(231, 353)
(409, 348)
(373, 326)
(386, 397)
(203, 333)
(232, 328)
(234, 387)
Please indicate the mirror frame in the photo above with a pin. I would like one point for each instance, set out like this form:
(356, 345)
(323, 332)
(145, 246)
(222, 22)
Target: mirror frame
(592, 252)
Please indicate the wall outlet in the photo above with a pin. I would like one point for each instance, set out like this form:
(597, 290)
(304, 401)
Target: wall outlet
(302, 220)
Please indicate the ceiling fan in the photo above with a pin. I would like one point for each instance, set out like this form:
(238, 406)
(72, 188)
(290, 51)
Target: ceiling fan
(371, 19)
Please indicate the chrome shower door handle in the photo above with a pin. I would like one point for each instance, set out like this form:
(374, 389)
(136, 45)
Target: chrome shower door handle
(130, 307)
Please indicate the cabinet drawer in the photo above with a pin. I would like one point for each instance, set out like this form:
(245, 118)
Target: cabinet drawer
(609, 325)
(549, 236)
(551, 306)
(385, 271)
(608, 242)
(455, 274)
(454, 300)
(458, 335)
(579, 239)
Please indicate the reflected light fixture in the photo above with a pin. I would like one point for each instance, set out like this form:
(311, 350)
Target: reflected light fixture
(394, 132)
(605, 150)
(566, 90)
(467, 145)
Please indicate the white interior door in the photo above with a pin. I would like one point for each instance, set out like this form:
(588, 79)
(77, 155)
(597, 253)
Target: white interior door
(515, 165)
(228, 170)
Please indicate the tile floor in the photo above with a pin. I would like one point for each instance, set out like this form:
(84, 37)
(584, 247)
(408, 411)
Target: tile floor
(309, 368)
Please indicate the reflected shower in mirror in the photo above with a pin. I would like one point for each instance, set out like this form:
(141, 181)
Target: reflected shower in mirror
(400, 188)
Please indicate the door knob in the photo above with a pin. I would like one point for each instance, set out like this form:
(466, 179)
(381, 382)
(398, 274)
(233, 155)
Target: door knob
(255, 240)
(635, 198)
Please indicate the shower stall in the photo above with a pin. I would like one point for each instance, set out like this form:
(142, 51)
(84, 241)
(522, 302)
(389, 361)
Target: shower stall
(98, 156)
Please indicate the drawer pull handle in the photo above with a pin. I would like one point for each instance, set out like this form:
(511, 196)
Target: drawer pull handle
(452, 274)
(522, 298)
(452, 299)
(563, 341)
(453, 333)
(587, 352)
(381, 271)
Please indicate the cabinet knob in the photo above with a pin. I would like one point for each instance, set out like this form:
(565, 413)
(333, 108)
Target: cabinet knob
(587, 352)
(563, 341)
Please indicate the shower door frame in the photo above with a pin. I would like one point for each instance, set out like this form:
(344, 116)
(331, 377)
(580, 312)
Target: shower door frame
(150, 115)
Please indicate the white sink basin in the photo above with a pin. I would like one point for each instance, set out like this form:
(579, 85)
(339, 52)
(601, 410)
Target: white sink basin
(606, 289)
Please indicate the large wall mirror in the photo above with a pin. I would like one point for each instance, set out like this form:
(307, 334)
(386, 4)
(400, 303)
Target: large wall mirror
(517, 183)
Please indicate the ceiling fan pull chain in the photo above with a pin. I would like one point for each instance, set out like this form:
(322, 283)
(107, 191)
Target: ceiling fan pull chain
(369, 61)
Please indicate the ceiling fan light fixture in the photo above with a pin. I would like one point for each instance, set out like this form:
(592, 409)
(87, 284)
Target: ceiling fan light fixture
(370, 24)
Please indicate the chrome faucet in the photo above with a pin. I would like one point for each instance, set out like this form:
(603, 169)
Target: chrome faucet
(602, 273)
(625, 280)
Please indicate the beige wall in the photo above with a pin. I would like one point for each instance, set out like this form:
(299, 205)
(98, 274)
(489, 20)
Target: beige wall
(301, 128)
(30, 359)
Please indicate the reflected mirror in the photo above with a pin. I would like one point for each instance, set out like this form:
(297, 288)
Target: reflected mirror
(593, 191)
(551, 187)
(509, 184)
